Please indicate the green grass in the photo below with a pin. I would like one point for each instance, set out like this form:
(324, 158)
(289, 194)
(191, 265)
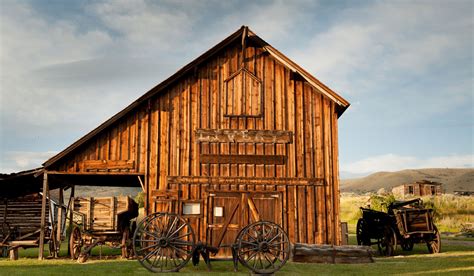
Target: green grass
(454, 263)
(456, 259)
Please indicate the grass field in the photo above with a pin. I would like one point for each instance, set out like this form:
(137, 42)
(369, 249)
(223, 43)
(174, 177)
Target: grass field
(457, 259)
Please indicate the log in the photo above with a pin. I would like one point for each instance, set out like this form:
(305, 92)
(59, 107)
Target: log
(346, 254)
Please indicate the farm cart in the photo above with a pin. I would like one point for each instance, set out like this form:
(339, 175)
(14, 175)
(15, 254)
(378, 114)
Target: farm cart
(405, 223)
(165, 242)
(20, 224)
(101, 220)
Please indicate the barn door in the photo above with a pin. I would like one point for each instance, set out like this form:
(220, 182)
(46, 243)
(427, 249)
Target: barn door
(231, 211)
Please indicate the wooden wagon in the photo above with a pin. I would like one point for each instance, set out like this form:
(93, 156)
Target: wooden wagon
(101, 220)
(405, 224)
(20, 219)
(165, 242)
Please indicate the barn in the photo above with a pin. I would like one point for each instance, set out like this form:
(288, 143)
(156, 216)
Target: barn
(240, 134)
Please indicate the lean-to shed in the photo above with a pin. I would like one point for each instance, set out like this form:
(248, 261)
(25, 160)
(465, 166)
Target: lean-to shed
(241, 133)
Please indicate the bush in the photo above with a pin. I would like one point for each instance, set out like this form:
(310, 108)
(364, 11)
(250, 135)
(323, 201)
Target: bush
(381, 202)
(140, 199)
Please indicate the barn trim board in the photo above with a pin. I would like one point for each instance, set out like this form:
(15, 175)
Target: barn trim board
(242, 119)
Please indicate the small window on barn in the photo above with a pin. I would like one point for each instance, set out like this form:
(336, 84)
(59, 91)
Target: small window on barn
(410, 190)
(191, 208)
(218, 211)
(243, 94)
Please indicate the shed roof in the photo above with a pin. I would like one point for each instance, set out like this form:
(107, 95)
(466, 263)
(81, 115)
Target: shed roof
(341, 103)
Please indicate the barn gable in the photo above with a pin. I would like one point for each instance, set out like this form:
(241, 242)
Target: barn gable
(316, 85)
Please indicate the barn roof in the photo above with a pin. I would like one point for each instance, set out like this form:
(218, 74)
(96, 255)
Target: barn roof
(341, 103)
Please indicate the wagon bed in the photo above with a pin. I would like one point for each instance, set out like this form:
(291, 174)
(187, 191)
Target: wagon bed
(104, 214)
(101, 220)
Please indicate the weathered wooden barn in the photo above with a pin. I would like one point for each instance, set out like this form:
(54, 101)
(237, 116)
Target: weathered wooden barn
(418, 188)
(241, 133)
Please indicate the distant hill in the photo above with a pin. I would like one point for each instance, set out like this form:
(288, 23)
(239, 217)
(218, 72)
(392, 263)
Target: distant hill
(452, 180)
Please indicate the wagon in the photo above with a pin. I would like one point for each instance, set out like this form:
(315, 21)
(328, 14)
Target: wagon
(101, 220)
(405, 224)
(165, 242)
(20, 224)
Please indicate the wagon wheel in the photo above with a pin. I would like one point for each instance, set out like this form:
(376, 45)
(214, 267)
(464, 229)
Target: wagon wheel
(362, 232)
(406, 244)
(75, 243)
(163, 242)
(388, 242)
(263, 247)
(434, 244)
(125, 242)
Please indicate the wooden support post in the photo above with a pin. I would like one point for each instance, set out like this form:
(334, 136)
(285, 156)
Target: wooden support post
(70, 210)
(59, 217)
(14, 254)
(43, 216)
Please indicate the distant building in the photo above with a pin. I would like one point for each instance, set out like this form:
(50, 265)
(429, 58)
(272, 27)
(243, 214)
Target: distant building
(418, 188)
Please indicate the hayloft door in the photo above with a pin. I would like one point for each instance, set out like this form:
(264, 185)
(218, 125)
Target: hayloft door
(231, 211)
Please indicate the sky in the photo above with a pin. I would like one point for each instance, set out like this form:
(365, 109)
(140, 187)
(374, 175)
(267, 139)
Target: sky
(406, 67)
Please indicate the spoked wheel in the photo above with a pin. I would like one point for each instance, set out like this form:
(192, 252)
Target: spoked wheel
(434, 244)
(362, 233)
(406, 244)
(75, 243)
(388, 242)
(263, 247)
(163, 242)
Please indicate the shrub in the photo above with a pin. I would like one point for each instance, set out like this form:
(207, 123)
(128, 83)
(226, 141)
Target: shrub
(140, 199)
(381, 202)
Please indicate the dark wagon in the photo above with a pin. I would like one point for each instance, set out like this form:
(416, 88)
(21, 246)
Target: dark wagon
(405, 224)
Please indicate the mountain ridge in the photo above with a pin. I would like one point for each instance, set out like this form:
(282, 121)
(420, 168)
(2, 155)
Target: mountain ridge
(452, 179)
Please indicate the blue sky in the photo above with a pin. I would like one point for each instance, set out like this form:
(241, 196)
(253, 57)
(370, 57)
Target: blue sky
(405, 66)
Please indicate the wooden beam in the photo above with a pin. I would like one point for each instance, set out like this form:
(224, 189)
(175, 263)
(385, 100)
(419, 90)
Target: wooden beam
(217, 180)
(93, 173)
(244, 136)
(43, 216)
(242, 159)
(107, 164)
(141, 183)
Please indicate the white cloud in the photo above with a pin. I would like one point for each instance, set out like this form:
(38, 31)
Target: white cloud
(393, 162)
(23, 160)
(386, 40)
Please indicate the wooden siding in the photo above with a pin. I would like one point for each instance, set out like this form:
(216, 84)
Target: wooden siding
(159, 139)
